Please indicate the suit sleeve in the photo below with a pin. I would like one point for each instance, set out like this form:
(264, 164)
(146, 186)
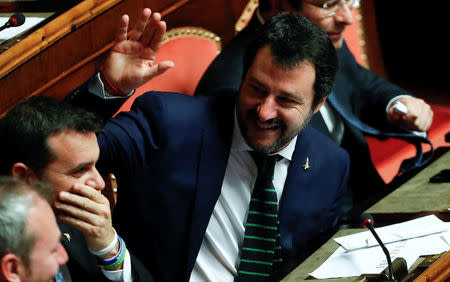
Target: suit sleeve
(128, 140)
(82, 97)
(369, 93)
(140, 272)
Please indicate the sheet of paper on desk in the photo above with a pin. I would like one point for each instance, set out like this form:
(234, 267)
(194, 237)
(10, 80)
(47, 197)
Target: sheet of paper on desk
(406, 230)
(13, 31)
(372, 259)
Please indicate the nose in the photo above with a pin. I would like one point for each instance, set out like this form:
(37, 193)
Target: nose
(267, 109)
(344, 14)
(63, 257)
(96, 180)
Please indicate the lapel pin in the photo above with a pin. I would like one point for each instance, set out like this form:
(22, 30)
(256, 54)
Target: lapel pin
(67, 235)
(306, 165)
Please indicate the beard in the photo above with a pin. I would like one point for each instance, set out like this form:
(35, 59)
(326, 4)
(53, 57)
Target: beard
(280, 143)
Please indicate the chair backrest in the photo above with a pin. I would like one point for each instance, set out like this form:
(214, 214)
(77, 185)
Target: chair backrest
(192, 49)
(246, 15)
(362, 38)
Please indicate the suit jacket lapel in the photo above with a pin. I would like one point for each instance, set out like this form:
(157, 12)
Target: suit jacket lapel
(213, 159)
(81, 263)
(298, 187)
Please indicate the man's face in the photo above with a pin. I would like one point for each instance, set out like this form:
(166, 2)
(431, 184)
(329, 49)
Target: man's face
(334, 25)
(274, 103)
(47, 253)
(77, 154)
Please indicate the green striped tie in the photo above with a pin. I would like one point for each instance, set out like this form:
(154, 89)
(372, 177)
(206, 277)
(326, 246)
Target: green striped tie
(260, 254)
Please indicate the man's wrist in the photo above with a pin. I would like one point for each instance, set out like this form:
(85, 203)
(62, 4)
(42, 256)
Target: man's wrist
(109, 249)
(114, 260)
(110, 88)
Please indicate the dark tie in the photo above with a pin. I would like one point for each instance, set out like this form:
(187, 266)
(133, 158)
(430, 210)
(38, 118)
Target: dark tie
(261, 250)
(414, 139)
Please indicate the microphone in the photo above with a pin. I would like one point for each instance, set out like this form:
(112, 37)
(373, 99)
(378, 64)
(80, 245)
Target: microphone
(367, 222)
(15, 20)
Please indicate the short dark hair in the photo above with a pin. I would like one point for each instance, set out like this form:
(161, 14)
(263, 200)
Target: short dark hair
(295, 4)
(24, 131)
(293, 39)
(265, 5)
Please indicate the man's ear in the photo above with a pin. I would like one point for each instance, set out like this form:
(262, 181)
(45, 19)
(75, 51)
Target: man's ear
(317, 108)
(22, 171)
(11, 267)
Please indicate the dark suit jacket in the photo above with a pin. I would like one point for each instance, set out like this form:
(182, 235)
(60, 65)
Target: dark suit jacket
(357, 88)
(170, 154)
(82, 264)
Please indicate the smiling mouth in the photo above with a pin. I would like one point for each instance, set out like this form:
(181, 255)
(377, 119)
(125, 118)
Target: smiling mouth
(271, 125)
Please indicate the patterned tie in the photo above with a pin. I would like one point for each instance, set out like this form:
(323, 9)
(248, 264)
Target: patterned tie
(261, 250)
(414, 139)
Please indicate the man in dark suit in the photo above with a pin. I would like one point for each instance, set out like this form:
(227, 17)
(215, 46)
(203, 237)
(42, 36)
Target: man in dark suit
(186, 175)
(45, 139)
(368, 96)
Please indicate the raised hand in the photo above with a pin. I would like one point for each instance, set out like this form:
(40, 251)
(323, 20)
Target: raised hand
(131, 62)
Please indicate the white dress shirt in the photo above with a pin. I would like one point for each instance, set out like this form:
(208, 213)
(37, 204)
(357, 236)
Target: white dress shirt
(218, 258)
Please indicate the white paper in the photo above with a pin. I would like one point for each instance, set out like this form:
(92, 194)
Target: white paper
(406, 230)
(372, 260)
(14, 31)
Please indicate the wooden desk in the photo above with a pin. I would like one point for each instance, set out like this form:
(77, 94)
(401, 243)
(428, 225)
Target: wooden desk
(417, 196)
(301, 273)
(318, 257)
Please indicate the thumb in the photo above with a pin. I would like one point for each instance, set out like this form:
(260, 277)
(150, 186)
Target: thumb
(159, 69)
(164, 65)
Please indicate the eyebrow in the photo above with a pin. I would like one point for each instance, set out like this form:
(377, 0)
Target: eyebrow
(82, 165)
(292, 96)
(254, 80)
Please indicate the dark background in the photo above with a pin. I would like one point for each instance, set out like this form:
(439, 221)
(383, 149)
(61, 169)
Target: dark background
(414, 40)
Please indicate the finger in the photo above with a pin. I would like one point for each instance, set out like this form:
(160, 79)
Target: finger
(394, 116)
(89, 192)
(121, 34)
(427, 117)
(420, 124)
(83, 226)
(84, 203)
(78, 201)
(157, 69)
(96, 238)
(429, 120)
(139, 28)
(158, 36)
(77, 213)
(424, 122)
(153, 36)
(150, 29)
(409, 120)
(163, 66)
